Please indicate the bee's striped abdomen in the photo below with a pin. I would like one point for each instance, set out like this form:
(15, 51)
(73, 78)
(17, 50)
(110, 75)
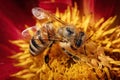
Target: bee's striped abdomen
(41, 40)
(38, 45)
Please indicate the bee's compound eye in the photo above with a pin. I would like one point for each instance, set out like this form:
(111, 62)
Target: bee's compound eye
(79, 39)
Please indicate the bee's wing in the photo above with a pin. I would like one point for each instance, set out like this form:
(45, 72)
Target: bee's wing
(40, 14)
(29, 32)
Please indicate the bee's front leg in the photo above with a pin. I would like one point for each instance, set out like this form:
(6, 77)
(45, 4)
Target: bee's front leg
(46, 57)
(71, 55)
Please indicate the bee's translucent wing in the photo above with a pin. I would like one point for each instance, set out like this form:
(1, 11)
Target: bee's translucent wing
(40, 14)
(29, 32)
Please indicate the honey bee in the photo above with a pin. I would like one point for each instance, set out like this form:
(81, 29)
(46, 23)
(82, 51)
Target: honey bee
(67, 35)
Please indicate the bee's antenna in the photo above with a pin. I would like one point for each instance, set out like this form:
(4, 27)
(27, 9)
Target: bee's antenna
(85, 45)
(89, 37)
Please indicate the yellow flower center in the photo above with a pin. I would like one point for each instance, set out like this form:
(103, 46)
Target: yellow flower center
(99, 54)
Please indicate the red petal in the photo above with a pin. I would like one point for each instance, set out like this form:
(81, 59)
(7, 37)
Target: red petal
(8, 31)
(104, 8)
(6, 64)
(18, 12)
(51, 6)
(68, 2)
(100, 8)
(14, 15)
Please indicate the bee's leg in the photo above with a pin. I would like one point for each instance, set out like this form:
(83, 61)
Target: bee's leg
(85, 50)
(71, 55)
(46, 58)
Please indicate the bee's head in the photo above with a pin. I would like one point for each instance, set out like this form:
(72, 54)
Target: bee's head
(70, 33)
(67, 32)
(79, 39)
